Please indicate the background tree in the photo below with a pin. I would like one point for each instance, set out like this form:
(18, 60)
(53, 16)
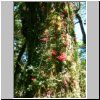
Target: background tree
(78, 11)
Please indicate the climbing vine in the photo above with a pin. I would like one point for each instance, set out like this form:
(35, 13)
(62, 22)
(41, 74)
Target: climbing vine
(53, 68)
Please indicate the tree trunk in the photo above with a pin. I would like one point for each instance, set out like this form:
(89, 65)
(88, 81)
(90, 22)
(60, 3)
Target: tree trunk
(52, 48)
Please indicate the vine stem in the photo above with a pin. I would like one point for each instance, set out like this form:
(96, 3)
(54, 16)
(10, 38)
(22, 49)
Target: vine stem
(42, 57)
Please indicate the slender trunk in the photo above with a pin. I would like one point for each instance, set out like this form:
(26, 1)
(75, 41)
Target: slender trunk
(82, 28)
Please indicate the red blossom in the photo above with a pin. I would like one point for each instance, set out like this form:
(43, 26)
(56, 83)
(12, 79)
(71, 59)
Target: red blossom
(53, 52)
(65, 82)
(48, 59)
(66, 43)
(49, 92)
(44, 39)
(61, 57)
(33, 78)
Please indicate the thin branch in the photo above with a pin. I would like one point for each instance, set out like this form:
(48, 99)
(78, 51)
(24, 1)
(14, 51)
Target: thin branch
(82, 28)
(77, 8)
(76, 22)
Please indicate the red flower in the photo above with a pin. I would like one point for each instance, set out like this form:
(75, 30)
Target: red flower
(49, 92)
(62, 57)
(44, 39)
(66, 43)
(33, 78)
(65, 82)
(48, 59)
(53, 52)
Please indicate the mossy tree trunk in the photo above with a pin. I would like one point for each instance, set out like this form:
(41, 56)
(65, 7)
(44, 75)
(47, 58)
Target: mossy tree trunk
(52, 49)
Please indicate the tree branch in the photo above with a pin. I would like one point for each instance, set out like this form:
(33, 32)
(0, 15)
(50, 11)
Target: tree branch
(82, 28)
(77, 8)
(76, 22)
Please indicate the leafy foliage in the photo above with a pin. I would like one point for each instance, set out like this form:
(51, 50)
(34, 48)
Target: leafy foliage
(53, 67)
